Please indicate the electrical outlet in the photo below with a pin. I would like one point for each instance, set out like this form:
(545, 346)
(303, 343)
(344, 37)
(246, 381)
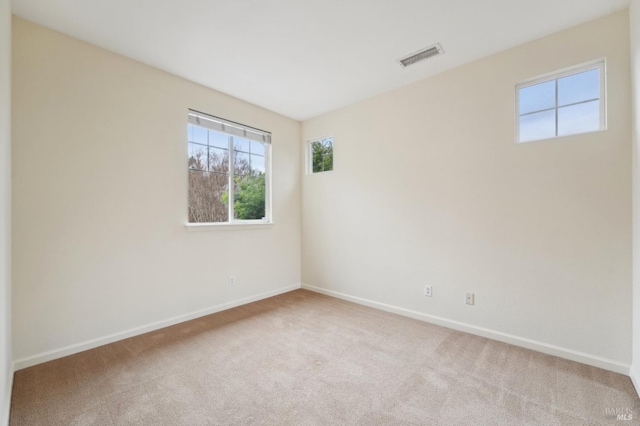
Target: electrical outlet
(427, 290)
(232, 280)
(470, 299)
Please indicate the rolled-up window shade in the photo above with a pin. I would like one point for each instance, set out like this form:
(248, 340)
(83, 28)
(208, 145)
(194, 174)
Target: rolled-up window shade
(229, 127)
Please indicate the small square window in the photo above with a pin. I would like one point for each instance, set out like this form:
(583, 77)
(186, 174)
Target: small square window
(321, 155)
(563, 104)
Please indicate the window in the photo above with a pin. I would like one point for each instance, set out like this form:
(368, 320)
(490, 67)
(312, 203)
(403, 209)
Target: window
(563, 104)
(321, 155)
(228, 171)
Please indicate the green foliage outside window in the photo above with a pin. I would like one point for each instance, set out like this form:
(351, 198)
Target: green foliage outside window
(249, 197)
(322, 155)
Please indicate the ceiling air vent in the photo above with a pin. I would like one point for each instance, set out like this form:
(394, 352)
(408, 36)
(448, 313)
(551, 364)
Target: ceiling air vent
(422, 54)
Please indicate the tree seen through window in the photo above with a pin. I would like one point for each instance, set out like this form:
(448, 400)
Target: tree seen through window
(210, 176)
(322, 155)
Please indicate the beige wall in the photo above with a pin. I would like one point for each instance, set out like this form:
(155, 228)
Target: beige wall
(634, 21)
(100, 191)
(5, 211)
(429, 188)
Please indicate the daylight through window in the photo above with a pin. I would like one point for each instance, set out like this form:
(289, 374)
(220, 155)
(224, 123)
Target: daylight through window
(321, 155)
(228, 171)
(564, 104)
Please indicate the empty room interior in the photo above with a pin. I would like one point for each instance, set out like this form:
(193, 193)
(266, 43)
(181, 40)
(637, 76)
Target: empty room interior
(319, 212)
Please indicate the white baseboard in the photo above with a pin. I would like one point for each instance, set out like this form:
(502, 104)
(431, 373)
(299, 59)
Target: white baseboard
(634, 374)
(5, 410)
(546, 348)
(94, 343)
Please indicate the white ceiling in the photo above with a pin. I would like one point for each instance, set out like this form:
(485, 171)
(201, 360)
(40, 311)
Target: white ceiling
(302, 58)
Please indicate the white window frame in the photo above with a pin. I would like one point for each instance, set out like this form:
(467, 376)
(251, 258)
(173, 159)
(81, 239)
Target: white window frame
(600, 64)
(310, 154)
(233, 129)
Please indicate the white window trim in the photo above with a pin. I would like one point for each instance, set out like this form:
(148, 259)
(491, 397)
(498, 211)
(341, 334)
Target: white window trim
(600, 64)
(236, 224)
(309, 155)
(228, 226)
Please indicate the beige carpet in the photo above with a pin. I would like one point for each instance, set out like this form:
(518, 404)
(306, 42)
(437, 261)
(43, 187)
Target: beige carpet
(306, 359)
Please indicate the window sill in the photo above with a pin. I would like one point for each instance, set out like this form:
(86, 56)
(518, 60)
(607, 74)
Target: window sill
(199, 227)
(518, 142)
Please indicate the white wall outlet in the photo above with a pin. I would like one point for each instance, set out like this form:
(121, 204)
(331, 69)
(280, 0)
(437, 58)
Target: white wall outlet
(470, 299)
(427, 290)
(232, 280)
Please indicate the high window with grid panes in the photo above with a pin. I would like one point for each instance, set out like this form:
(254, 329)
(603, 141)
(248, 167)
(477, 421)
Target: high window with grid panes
(321, 155)
(562, 104)
(228, 171)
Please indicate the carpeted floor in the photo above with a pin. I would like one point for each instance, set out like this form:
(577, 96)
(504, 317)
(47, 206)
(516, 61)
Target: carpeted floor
(307, 359)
